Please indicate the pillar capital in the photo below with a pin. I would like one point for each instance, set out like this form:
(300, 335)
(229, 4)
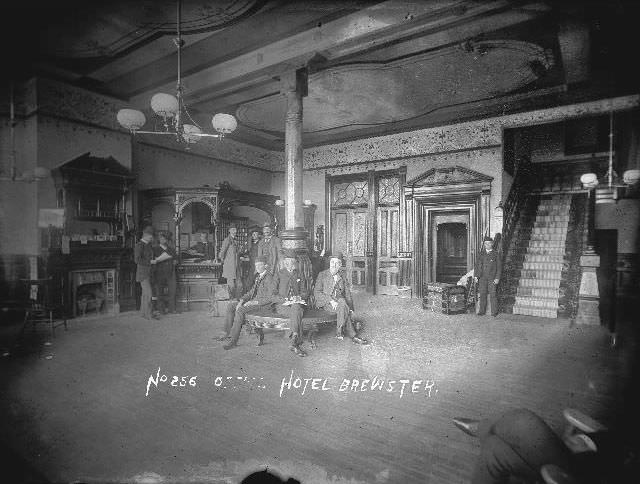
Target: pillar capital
(295, 81)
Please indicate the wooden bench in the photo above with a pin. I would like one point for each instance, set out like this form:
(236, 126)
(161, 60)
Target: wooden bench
(311, 321)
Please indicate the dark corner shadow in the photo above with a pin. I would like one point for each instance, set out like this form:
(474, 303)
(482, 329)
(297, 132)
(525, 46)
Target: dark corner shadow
(16, 470)
(621, 415)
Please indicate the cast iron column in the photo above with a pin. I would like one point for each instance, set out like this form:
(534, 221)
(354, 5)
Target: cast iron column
(294, 88)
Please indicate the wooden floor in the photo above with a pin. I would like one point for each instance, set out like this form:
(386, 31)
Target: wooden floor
(77, 409)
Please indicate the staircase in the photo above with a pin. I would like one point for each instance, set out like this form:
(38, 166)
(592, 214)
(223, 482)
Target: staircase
(538, 288)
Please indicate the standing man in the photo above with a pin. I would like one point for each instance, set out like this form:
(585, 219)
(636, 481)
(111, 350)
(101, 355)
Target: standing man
(333, 294)
(291, 294)
(165, 274)
(487, 274)
(230, 257)
(143, 257)
(269, 247)
(255, 299)
(252, 253)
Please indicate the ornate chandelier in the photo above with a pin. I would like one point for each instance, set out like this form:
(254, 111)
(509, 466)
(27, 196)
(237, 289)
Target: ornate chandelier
(607, 192)
(173, 111)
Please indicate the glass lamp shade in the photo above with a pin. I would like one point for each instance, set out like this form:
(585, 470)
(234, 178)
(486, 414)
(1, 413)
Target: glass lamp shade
(589, 180)
(499, 210)
(165, 105)
(190, 133)
(279, 203)
(631, 177)
(224, 123)
(40, 172)
(131, 119)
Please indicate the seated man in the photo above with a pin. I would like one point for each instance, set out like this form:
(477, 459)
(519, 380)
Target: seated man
(290, 295)
(259, 297)
(333, 294)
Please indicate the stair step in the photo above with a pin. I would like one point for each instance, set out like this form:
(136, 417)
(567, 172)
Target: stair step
(549, 230)
(538, 292)
(546, 252)
(546, 244)
(542, 283)
(552, 218)
(533, 311)
(544, 266)
(541, 273)
(537, 302)
(548, 238)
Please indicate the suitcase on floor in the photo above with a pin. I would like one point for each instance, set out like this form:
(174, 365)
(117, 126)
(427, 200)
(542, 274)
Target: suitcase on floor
(444, 298)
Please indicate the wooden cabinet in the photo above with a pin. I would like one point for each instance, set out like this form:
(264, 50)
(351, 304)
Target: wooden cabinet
(90, 257)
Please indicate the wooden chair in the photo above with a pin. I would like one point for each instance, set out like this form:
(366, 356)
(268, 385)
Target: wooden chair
(40, 308)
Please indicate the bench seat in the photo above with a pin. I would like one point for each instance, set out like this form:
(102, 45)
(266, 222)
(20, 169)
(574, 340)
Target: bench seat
(311, 321)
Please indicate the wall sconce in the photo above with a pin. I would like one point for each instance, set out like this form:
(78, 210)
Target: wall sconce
(279, 203)
(499, 210)
(307, 203)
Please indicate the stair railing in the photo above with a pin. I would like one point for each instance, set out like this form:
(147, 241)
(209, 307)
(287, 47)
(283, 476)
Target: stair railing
(515, 204)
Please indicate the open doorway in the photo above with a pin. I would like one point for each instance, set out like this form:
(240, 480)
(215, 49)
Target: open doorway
(450, 248)
(451, 257)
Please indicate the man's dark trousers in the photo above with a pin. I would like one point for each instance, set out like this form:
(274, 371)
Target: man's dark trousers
(486, 285)
(235, 319)
(294, 313)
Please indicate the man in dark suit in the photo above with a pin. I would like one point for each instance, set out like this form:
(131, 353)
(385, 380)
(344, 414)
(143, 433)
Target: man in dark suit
(290, 295)
(333, 294)
(256, 299)
(165, 274)
(143, 257)
(487, 274)
(252, 252)
(269, 246)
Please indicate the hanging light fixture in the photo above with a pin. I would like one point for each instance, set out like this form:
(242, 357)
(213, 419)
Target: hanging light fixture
(173, 111)
(607, 192)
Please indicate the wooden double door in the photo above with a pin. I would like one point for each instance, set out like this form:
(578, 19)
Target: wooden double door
(350, 229)
(349, 233)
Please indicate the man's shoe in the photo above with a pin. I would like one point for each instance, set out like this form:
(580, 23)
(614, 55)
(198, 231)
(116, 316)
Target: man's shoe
(340, 337)
(228, 346)
(298, 351)
(480, 314)
(467, 425)
(359, 341)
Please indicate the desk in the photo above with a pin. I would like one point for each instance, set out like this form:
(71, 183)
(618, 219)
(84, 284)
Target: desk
(195, 286)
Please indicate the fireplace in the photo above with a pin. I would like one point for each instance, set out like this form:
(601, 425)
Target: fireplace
(93, 291)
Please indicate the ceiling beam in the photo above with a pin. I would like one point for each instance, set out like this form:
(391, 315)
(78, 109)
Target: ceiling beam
(234, 95)
(247, 36)
(391, 20)
(459, 32)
